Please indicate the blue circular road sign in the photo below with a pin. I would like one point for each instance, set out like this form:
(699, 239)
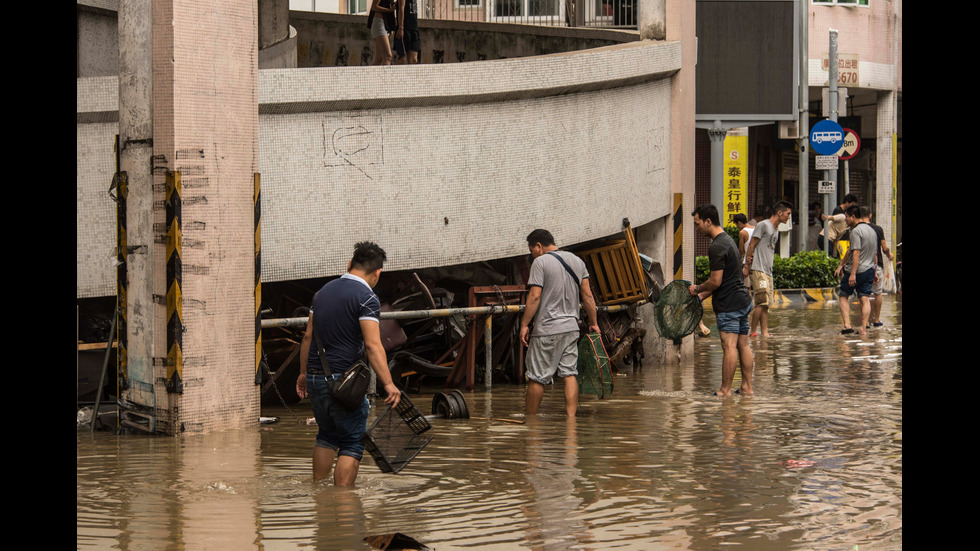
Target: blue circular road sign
(826, 137)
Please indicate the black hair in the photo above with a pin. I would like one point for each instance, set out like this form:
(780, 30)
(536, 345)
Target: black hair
(781, 206)
(707, 212)
(850, 198)
(865, 211)
(368, 256)
(854, 211)
(740, 218)
(540, 236)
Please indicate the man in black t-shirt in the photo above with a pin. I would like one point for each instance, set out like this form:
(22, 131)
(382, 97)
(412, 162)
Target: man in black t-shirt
(730, 300)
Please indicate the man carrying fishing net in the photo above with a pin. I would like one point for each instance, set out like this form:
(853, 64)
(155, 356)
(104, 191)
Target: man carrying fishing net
(730, 300)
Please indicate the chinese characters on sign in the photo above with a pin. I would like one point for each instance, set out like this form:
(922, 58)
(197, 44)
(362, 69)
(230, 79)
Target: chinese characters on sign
(736, 182)
(847, 68)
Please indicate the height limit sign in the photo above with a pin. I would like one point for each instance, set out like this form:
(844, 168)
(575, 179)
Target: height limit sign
(826, 186)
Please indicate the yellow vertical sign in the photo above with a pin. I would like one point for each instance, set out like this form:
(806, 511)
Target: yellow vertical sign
(736, 182)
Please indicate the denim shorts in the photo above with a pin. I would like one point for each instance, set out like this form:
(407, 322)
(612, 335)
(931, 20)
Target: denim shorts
(734, 322)
(862, 285)
(339, 430)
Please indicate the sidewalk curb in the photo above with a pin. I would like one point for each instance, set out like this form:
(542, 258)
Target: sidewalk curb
(799, 296)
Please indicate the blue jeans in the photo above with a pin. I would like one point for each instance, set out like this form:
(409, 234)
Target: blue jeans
(339, 430)
(734, 322)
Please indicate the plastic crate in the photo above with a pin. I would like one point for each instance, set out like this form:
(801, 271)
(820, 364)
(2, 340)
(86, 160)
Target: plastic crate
(395, 438)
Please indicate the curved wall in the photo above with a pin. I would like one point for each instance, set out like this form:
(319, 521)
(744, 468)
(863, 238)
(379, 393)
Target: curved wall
(439, 164)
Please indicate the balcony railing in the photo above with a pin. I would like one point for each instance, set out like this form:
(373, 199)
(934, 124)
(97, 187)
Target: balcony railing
(557, 13)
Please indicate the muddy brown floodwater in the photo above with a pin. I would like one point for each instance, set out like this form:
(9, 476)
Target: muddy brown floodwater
(812, 461)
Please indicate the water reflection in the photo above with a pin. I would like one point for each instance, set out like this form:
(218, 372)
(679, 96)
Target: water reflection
(812, 461)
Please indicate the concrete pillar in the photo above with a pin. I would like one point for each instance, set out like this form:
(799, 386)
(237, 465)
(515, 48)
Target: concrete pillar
(886, 135)
(679, 18)
(141, 279)
(651, 19)
(193, 290)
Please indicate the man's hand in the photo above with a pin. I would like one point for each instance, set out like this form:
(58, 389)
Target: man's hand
(693, 289)
(394, 395)
(852, 281)
(595, 329)
(301, 386)
(524, 334)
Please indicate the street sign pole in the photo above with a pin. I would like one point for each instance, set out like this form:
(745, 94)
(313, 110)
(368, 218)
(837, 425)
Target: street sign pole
(831, 175)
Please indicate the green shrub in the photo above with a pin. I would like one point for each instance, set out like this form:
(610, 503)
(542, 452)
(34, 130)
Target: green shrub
(804, 269)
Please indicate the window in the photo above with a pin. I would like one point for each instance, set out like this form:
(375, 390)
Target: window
(357, 6)
(860, 3)
(526, 9)
(468, 3)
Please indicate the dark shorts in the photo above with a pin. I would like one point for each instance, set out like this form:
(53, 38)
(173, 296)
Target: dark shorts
(411, 41)
(339, 430)
(862, 285)
(734, 322)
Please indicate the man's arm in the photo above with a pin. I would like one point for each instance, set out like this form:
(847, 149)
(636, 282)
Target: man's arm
(530, 308)
(855, 258)
(400, 8)
(304, 353)
(375, 351)
(588, 301)
(886, 250)
(748, 255)
(704, 290)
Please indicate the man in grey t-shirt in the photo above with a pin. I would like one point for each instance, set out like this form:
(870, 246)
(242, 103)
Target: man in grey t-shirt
(857, 269)
(759, 256)
(557, 282)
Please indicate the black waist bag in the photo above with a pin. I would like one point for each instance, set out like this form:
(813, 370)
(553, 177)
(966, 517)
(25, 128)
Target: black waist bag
(349, 390)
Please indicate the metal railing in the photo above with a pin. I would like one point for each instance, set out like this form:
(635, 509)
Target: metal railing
(556, 13)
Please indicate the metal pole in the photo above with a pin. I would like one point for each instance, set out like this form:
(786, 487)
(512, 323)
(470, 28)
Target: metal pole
(439, 312)
(804, 191)
(488, 352)
(830, 175)
(105, 366)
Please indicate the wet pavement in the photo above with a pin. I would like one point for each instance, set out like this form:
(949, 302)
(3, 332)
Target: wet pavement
(812, 461)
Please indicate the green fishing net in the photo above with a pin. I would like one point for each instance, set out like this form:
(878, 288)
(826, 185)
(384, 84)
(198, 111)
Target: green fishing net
(677, 313)
(594, 373)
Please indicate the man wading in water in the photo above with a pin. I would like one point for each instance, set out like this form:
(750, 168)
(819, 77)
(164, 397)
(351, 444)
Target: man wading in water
(729, 298)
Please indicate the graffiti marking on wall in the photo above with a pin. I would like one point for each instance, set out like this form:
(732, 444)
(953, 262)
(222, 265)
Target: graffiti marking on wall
(354, 142)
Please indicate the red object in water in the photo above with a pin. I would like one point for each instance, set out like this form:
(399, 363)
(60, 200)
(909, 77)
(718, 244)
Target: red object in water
(797, 463)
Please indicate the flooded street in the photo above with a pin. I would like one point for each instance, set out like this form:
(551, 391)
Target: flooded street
(812, 461)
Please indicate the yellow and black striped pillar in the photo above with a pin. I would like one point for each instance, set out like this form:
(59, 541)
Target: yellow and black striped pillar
(175, 302)
(257, 200)
(678, 236)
